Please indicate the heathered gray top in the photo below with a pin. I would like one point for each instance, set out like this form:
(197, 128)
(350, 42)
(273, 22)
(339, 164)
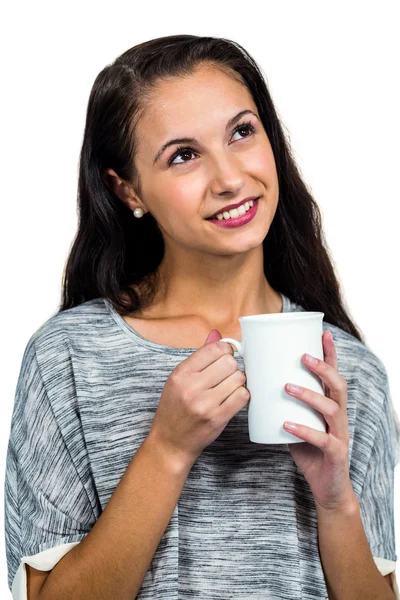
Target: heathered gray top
(245, 524)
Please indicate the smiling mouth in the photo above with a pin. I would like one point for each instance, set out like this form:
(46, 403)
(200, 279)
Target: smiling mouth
(236, 221)
(236, 215)
(222, 212)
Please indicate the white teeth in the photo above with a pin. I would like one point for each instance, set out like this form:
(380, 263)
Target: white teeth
(235, 212)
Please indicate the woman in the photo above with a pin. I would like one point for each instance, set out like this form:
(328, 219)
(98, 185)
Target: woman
(130, 473)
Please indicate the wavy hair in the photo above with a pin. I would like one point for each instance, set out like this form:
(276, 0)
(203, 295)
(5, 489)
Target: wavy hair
(112, 252)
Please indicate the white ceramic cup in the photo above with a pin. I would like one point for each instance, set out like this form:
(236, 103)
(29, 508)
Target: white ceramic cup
(272, 346)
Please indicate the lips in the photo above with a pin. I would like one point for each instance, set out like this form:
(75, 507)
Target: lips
(232, 206)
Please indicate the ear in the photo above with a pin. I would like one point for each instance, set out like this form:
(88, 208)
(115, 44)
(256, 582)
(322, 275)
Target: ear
(123, 191)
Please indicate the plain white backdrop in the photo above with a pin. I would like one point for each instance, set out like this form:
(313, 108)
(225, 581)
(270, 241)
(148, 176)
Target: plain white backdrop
(332, 69)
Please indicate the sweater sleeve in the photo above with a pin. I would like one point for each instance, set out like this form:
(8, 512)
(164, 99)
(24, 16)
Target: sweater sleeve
(46, 506)
(377, 494)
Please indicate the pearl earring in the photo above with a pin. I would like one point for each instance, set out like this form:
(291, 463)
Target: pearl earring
(138, 212)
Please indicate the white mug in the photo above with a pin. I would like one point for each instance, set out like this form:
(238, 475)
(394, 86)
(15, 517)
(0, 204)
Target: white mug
(272, 346)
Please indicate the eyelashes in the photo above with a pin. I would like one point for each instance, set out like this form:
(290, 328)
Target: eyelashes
(185, 149)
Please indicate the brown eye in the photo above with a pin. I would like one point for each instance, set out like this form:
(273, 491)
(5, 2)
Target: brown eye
(246, 126)
(181, 151)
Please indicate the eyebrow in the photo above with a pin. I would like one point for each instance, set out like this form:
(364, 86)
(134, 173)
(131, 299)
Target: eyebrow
(187, 140)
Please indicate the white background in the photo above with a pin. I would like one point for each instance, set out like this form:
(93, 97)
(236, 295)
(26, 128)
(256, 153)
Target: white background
(332, 69)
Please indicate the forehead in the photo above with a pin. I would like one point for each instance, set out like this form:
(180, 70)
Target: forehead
(186, 105)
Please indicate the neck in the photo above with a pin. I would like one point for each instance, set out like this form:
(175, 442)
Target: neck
(218, 290)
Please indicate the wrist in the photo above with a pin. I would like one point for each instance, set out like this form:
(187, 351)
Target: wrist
(349, 507)
(173, 459)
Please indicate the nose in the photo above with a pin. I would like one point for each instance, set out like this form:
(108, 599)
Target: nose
(227, 174)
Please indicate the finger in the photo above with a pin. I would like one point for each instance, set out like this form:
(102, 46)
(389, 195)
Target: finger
(329, 349)
(330, 376)
(204, 356)
(330, 356)
(213, 336)
(217, 372)
(328, 443)
(330, 409)
(220, 393)
(334, 413)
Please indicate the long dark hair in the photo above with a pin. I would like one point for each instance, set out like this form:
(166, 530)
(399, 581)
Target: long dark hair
(112, 250)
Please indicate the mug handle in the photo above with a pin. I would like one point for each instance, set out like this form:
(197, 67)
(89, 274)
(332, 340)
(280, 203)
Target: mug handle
(239, 345)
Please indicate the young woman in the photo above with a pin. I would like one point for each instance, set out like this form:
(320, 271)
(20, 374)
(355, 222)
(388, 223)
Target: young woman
(130, 473)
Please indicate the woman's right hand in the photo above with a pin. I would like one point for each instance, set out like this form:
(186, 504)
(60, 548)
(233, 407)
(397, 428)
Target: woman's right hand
(199, 398)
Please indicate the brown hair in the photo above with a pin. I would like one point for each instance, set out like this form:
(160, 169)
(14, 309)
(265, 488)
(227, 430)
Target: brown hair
(112, 251)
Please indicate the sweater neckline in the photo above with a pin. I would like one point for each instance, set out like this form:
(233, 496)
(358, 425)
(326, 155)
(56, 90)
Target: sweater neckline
(142, 341)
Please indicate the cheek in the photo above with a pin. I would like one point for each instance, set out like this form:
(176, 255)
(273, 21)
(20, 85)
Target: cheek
(261, 164)
(177, 204)
(182, 195)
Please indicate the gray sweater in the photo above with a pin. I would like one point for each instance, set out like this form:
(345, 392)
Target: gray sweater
(245, 524)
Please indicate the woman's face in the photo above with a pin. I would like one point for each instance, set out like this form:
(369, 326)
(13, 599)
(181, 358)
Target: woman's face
(222, 167)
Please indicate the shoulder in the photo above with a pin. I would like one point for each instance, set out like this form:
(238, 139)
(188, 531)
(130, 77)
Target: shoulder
(353, 354)
(365, 374)
(73, 319)
(357, 355)
(50, 349)
(82, 321)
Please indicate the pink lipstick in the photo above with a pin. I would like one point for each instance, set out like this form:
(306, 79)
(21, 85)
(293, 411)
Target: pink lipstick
(237, 221)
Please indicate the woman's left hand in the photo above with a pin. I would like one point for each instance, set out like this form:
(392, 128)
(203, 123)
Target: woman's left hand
(323, 459)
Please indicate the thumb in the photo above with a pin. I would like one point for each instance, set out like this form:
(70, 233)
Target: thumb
(213, 336)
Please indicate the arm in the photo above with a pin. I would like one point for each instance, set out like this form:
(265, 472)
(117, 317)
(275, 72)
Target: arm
(388, 578)
(112, 560)
(348, 565)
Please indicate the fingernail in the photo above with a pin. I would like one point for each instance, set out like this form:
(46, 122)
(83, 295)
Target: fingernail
(294, 388)
(311, 359)
(290, 425)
